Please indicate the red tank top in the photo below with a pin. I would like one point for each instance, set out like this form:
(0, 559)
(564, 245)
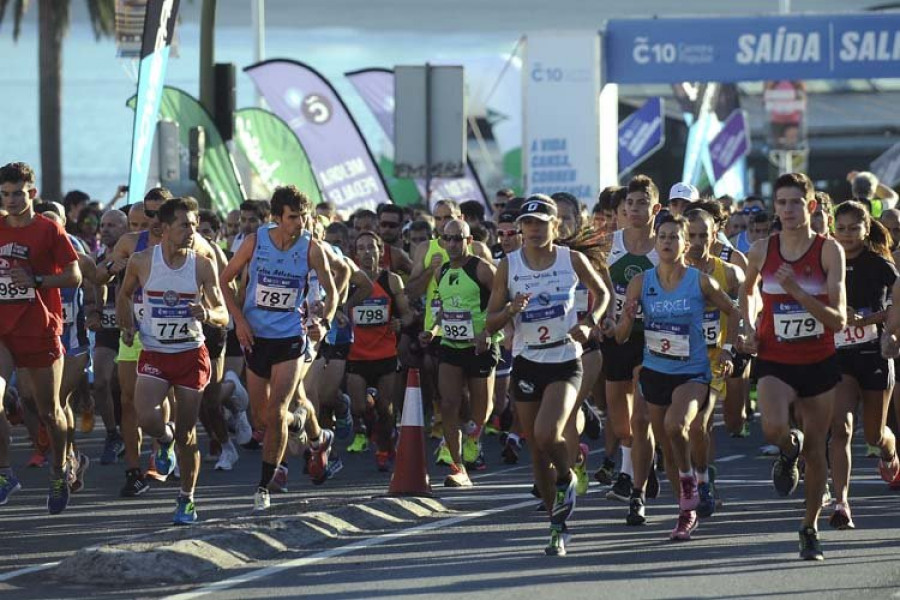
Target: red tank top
(373, 334)
(787, 332)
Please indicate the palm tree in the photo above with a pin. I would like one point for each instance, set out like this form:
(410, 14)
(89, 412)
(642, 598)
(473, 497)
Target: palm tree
(53, 22)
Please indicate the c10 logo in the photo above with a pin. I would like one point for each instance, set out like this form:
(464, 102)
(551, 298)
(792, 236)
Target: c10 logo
(644, 52)
(541, 74)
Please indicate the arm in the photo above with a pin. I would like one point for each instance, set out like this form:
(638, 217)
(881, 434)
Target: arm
(499, 307)
(318, 262)
(833, 314)
(632, 300)
(212, 306)
(595, 283)
(401, 302)
(747, 298)
(125, 298)
(421, 273)
(400, 261)
(718, 298)
(340, 270)
(232, 270)
(117, 259)
(888, 196)
(363, 287)
(481, 250)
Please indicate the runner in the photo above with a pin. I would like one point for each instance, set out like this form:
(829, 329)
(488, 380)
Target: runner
(390, 224)
(270, 328)
(866, 375)
(36, 260)
(180, 293)
(469, 354)
(535, 289)
(803, 304)
(372, 361)
(675, 377)
(681, 195)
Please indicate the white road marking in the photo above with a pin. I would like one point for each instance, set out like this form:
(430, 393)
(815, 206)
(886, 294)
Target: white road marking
(726, 459)
(27, 570)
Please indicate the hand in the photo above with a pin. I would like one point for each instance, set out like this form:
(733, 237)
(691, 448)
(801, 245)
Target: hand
(243, 332)
(121, 191)
(22, 278)
(631, 308)
(317, 309)
(747, 343)
(316, 331)
(425, 338)
(608, 327)
(198, 311)
(127, 336)
(580, 333)
(436, 261)
(481, 343)
(787, 279)
(340, 319)
(890, 346)
(726, 363)
(519, 303)
(92, 321)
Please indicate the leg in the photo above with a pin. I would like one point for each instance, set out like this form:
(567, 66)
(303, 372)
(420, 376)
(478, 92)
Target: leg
(131, 433)
(846, 400)
(686, 401)
(384, 409)
(186, 413)
(6, 371)
(46, 382)
(774, 397)
(284, 382)
(549, 423)
(451, 381)
(104, 365)
(816, 415)
(150, 395)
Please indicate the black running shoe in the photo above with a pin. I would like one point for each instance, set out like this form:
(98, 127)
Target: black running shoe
(652, 483)
(636, 512)
(606, 474)
(810, 548)
(134, 484)
(785, 473)
(621, 491)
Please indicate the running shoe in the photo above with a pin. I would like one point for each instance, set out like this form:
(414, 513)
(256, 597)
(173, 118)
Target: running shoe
(559, 535)
(580, 468)
(606, 473)
(261, 500)
(240, 395)
(343, 426)
(785, 474)
(279, 481)
(686, 525)
(360, 443)
(443, 456)
(873, 451)
(769, 450)
(458, 477)
(113, 446)
(840, 518)
(890, 469)
(744, 431)
(479, 463)
(58, 497)
(70, 469)
(81, 467)
(470, 449)
(8, 485)
(165, 457)
(621, 491)
(810, 547)
(564, 501)
(243, 431)
(492, 427)
(185, 511)
(635, 515)
(38, 459)
(688, 500)
(335, 465)
(707, 505)
(318, 459)
(652, 483)
(135, 485)
(87, 420)
(228, 458)
(255, 442)
(384, 460)
(511, 448)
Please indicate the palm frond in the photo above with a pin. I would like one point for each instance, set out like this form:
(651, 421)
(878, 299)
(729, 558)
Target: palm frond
(103, 17)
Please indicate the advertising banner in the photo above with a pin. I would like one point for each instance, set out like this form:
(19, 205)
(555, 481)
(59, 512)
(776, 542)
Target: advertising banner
(641, 134)
(731, 144)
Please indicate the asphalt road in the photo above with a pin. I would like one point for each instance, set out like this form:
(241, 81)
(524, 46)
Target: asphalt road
(491, 546)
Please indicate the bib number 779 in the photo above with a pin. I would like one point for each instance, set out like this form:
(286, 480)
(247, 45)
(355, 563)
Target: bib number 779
(799, 327)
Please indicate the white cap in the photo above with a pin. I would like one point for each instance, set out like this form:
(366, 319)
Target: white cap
(684, 191)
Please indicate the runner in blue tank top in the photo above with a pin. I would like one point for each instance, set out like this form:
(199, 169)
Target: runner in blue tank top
(675, 376)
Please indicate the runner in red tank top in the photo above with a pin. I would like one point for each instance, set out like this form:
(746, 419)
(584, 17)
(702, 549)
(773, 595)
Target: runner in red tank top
(804, 302)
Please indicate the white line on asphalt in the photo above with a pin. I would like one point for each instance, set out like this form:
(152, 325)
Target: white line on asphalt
(725, 459)
(27, 570)
(340, 551)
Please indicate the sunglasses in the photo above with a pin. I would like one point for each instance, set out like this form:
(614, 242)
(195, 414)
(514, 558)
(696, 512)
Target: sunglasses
(388, 225)
(452, 238)
(507, 233)
(751, 211)
(150, 213)
(500, 205)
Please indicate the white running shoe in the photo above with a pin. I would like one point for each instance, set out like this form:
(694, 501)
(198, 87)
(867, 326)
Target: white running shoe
(261, 500)
(228, 457)
(243, 431)
(240, 395)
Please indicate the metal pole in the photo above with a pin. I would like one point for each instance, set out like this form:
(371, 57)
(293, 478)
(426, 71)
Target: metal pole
(207, 54)
(428, 135)
(258, 16)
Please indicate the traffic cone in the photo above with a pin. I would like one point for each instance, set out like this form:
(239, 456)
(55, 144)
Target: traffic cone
(410, 476)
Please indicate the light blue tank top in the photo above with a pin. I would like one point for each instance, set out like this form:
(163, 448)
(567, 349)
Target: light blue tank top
(277, 286)
(673, 326)
(339, 335)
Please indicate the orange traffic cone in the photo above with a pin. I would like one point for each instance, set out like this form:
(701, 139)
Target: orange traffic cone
(410, 476)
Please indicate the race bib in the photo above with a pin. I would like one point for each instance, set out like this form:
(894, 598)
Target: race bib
(457, 326)
(435, 308)
(670, 341)
(581, 300)
(794, 323)
(174, 325)
(620, 302)
(277, 293)
(711, 327)
(108, 317)
(854, 335)
(371, 313)
(543, 326)
(14, 293)
(68, 313)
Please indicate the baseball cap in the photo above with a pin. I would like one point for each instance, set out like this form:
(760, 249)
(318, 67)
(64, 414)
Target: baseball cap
(539, 207)
(684, 191)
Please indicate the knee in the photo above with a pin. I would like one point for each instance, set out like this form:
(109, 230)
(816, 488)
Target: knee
(774, 432)
(675, 428)
(185, 437)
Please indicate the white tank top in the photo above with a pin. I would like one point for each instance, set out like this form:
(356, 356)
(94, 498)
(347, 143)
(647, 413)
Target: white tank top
(167, 325)
(541, 330)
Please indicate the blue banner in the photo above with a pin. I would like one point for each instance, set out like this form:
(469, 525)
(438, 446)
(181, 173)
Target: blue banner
(731, 144)
(796, 47)
(159, 27)
(641, 134)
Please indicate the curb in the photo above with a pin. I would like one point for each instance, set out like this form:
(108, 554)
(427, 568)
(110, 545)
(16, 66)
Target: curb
(183, 555)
